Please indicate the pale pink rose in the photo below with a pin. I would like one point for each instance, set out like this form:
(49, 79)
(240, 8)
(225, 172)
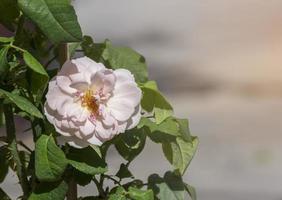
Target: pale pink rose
(89, 104)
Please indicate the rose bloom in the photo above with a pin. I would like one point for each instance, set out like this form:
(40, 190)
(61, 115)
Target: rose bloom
(89, 104)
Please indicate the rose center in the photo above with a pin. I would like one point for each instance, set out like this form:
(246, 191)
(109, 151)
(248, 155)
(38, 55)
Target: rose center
(89, 101)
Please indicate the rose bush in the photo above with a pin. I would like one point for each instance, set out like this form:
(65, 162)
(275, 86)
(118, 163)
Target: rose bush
(101, 101)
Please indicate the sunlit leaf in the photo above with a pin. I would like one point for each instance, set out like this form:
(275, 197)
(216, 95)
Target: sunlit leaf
(3, 61)
(50, 161)
(154, 102)
(87, 161)
(49, 191)
(180, 153)
(56, 18)
(22, 103)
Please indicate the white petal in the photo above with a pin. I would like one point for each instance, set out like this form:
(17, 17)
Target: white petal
(122, 127)
(64, 83)
(94, 140)
(121, 110)
(104, 133)
(59, 126)
(108, 119)
(83, 115)
(124, 75)
(68, 68)
(79, 79)
(135, 118)
(63, 105)
(49, 113)
(85, 64)
(75, 110)
(103, 80)
(55, 98)
(73, 141)
(88, 128)
(129, 91)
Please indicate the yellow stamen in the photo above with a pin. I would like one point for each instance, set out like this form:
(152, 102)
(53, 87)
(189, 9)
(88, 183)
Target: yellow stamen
(87, 100)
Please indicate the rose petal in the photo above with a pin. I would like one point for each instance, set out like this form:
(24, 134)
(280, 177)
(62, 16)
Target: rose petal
(88, 128)
(135, 118)
(64, 83)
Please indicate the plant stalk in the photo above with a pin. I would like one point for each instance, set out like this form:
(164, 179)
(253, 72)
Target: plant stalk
(72, 191)
(12, 142)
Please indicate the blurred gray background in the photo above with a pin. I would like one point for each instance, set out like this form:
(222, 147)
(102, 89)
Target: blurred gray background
(219, 63)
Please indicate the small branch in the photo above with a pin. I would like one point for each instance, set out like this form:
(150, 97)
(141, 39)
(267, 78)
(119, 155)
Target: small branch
(24, 146)
(99, 186)
(11, 139)
(113, 179)
(50, 61)
(72, 191)
(63, 53)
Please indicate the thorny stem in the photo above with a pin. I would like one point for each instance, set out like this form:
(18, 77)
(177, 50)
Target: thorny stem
(12, 142)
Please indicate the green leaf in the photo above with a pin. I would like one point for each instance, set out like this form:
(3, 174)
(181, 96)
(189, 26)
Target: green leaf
(93, 50)
(191, 191)
(116, 57)
(6, 39)
(169, 126)
(154, 102)
(38, 77)
(3, 195)
(3, 61)
(22, 103)
(184, 129)
(138, 194)
(87, 161)
(82, 178)
(171, 187)
(97, 149)
(131, 143)
(124, 57)
(124, 172)
(4, 163)
(8, 13)
(2, 116)
(24, 157)
(137, 183)
(72, 48)
(37, 85)
(118, 194)
(56, 18)
(180, 153)
(50, 161)
(50, 191)
(33, 64)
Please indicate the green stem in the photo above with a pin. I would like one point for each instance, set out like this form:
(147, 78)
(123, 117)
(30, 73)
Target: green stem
(99, 186)
(17, 48)
(72, 191)
(112, 179)
(11, 139)
(20, 27)
(63, 53)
